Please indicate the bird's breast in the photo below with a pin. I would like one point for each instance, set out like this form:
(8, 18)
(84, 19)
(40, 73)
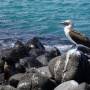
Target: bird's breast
(67, 31)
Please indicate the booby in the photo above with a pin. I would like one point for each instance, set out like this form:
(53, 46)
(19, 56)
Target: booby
(75, 37)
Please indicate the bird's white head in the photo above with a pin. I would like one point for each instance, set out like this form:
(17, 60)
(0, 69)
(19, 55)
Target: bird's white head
(68, 24)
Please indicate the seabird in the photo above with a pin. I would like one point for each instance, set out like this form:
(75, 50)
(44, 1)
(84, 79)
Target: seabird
(75, 37)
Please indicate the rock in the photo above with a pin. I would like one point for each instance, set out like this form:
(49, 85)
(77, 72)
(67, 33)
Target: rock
(69, 85)
(83, 86)
(12, 55)
(7, 87)
(20, 68)
(83, 49)
(54, 52)
(14, 80)
(29, 62)
(56, 67)
(83, 71)
(35, 80)
(45, 70)
(1, 78)
(36, 52)
(43, 59)
(2, 66)
(46, 57)
(71, 65)
(65, 67)
(35, 43)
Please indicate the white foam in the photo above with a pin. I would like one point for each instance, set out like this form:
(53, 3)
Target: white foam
(62, 48)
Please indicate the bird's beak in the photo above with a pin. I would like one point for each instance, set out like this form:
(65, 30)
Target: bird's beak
(62, 23)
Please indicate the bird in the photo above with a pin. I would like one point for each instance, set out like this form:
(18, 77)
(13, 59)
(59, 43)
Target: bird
(74, 36)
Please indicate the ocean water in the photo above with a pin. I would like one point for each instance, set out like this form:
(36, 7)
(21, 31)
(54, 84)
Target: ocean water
(24, 19)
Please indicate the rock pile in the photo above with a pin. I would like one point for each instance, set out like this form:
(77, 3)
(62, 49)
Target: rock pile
(31, 67)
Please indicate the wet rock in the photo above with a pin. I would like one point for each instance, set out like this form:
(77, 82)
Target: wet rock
(83, 70)
(14, 80)
(69, 85)
(45, 70)
(35, 43)
(35, 80)
(29, 62)
(71, 65)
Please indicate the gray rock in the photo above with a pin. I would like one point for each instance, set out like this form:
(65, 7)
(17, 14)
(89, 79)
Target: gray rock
(71, 65)
(65, 67)
(45, 70)
(56, 66)
(43, 59)
(69, 85)
(35, 80)
(47, 56)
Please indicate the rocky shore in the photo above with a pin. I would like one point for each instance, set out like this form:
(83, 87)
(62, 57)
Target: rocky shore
(31, 66)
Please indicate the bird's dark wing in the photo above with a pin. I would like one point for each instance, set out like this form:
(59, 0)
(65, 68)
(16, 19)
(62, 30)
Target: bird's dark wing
(80, 38)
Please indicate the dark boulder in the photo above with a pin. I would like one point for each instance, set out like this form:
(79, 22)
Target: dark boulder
(35, 43)
(29, 62)
(19, 68)
(35, 80)
(74, 65)
(1, 66)
(36, 52)
(47, 56)
(12, 55)
(69, 85)
(54, 52)
(83, 70)
(83, 49)
(14, 80)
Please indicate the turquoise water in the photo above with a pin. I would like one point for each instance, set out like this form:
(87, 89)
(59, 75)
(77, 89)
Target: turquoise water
(24, 19)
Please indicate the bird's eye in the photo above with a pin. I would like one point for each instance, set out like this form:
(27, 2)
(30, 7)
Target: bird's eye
(66, 23)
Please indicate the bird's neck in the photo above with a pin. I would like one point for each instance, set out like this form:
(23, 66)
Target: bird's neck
(68, 28)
